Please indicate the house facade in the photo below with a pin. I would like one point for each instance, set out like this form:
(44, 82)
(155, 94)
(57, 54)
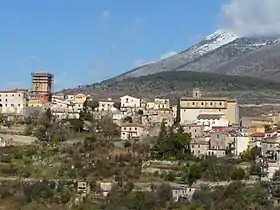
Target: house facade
(158, 103)
(130, 102)
(13, 101)
(131, 131)
(106, 105)
(194, 129)
(199, 147)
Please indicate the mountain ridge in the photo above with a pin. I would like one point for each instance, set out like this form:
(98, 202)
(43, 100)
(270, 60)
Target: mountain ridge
(208, 55)
(175, 84)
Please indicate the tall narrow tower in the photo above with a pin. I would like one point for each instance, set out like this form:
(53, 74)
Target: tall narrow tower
(197, 93)
(42, 83)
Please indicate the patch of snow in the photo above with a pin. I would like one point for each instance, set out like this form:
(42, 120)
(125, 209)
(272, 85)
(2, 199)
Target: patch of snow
(214, 41)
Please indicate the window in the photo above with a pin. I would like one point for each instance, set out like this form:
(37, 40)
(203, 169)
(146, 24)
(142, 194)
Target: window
(136, 129)
(211, 103)
(19, 95)
(218, 136)
(192, 103)
(126, 100)
(123, 133)
(220, 103)
(198, 146)
(6, 100)
(198, 151)
(12, 105)
(13, 95)
(202, 103)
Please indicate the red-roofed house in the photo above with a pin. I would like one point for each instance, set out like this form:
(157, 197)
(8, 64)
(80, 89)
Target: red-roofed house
(257, 136)
(131, 130)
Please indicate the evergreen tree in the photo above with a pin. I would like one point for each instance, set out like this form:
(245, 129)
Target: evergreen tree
(178, 113)
(163, 132)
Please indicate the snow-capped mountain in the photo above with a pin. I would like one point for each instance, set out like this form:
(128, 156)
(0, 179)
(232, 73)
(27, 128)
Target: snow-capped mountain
(211, 54)
(214, 41)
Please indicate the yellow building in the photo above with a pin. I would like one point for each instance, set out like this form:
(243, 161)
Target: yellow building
(192, 107)
(257, 128)
(80, 98)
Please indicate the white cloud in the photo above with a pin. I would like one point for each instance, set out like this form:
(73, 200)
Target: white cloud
(106, 14)
(252, 17)
(30, 58)
(168, 54)
(141, 62)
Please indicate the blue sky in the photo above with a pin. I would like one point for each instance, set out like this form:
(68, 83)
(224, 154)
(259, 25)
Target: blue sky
(82, 42)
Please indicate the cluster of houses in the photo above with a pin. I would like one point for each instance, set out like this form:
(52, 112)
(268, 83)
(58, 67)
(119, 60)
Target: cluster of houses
(214, 123)
(197, 114)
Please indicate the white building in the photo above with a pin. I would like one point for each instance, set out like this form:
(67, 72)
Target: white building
(212, 120)
(182, 191)
(106, 105)
(65, 107)
(130, 102)
(241, 144)
(13, 101)
(158, 103)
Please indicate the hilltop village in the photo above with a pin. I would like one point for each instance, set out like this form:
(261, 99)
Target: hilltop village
(99, 152)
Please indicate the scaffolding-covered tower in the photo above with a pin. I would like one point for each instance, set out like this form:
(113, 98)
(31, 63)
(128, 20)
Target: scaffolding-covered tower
(41, 90)
(42, 83)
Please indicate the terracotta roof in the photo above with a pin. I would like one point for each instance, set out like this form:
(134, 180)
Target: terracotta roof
(17, 90)
(222, 130)
(192, 125)
(257, 135)
(271, 131)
